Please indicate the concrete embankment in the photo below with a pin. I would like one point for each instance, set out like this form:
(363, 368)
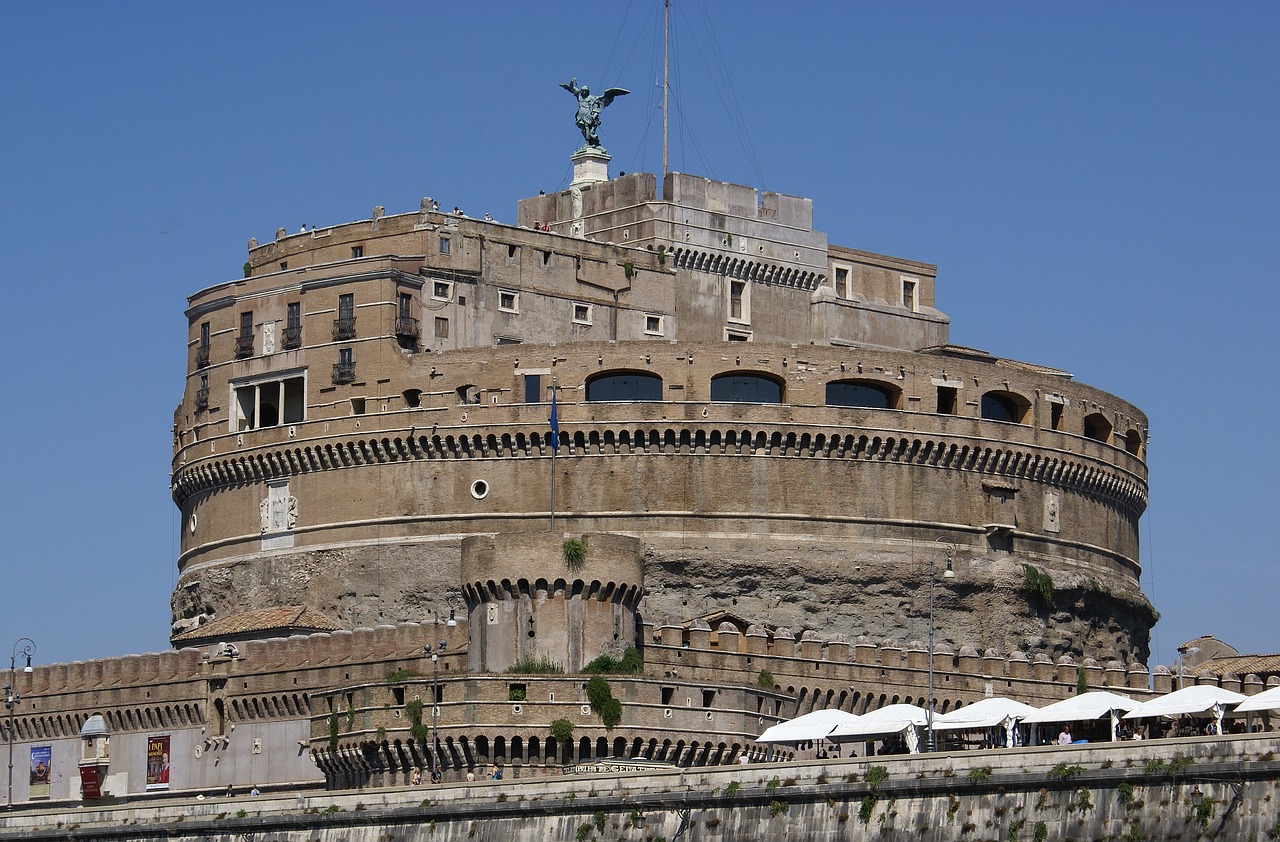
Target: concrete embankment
(1203, 788)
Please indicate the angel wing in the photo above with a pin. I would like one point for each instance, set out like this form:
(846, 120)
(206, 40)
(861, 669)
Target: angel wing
(607, 96)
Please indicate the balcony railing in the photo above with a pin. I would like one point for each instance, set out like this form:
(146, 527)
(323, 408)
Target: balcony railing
(344, 328)
(344, 372)
(407, 328)
(292, 338)
(244, 346)
(202, 356)
(202, 399)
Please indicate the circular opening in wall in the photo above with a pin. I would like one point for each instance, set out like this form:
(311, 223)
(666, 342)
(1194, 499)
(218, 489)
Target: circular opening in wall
(192, 523)
(479, 489)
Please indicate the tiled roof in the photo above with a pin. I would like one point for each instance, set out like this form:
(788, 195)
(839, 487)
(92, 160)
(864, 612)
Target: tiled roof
(1242, 665)
(288, 618)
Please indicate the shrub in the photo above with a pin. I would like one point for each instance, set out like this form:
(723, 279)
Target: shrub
(584, 831)
(733, 787)
(979, 775)
(600, 698)
(1204, 811)
(1062, 772)
(1125, 791)
(777, 807)
(773, 784)
(333, 732)
(599, 820)
(876, 775)
(631, 662)
(515, 694)
(541, 664)
(575, 553)
(1041, 833)
(562, 730)
(402, 674)
(867, 809)
(765, 679)
(1039, 583)
(417, 730)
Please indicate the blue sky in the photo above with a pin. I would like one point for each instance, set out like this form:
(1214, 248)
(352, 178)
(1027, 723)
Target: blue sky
(1097, 182)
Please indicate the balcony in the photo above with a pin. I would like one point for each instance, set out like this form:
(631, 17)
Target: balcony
(407, 333)
(202, 399)
(244, 346)
(292, 339)
(202, 356)
(344, 372)
(344, 328)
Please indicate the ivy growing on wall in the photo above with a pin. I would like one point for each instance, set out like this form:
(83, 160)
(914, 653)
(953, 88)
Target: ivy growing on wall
(1038, 583)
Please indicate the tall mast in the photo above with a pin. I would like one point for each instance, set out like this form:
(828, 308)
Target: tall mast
(666, 85)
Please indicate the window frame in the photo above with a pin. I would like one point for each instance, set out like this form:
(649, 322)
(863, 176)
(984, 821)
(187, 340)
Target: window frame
(662, 324)
(588, 310)
(515, 300)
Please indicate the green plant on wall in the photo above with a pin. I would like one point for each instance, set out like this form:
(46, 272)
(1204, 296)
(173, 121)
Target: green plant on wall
(333, 731)
(540, 664)
(1039, 583)
(248, 268)
(630, 663)
(600, 698)
(765, 680)
(416, 729)
(562, 730)
(575, 553)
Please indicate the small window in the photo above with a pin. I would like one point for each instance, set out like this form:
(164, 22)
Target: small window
(508, 301)
(582, 314)
(357, 251)
(1004, 406)
(294, 319)
(745, 388)
(357, 406)
(444, 245)
(533, 388)
(739, 302)
(284, 264)
(842, 282)
(653, 325)
(246, 323)
(909, 294)
(668, 693)
(1055, 416)
(708, 698)
(347, 306)
(441, 290)
(204, 334)
(442, 328)
(1097, 427)
(946, 400)
(1133, 442)
(737, 336)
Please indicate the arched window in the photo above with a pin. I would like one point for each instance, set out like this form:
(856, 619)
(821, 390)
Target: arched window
(1004, 406)
(745, 388)
(1097, 427)
(1133, 442)
(865, 393)
(624, 386)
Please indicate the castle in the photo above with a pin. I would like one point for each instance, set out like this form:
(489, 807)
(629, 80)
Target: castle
(764, 449)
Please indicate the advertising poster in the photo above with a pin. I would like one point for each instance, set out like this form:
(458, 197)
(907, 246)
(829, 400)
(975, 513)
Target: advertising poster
(158, 762)
(41, 763)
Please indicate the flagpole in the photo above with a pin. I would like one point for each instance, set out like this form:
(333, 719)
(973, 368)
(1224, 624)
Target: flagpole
(555, 448)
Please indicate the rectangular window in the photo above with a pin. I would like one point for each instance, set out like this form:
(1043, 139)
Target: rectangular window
(653, 324)
(267, 403)
(293, 326)
(357, 251)
(842, 282)
(344, 371)
(737, 336)
(244, 342)
(246, 323)
(344, 327)
(441, 290)
(442, 328)
(739, 302)
(404, 305)
(508, 301)
(946, 400)
(582, 314)
(909, 294)
(444, 245)
(204, 334)
(1055, 416)
(295, 314)
(533, 388)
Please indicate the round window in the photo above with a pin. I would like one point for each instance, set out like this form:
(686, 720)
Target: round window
(479, 489)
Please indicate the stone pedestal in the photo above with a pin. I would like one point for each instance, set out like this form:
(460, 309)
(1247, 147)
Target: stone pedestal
(590, 166)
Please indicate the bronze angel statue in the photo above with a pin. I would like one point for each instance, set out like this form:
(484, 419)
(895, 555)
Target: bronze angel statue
(589, 108)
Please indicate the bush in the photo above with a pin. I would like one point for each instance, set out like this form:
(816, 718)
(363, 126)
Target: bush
(1062, 772)
(876, 775)
(765, 680)
(402, 674)
(562, 730)
(575, 554)
(630, 663)
(778, 807)
(600, 698)
(1039, 583)
(541, 664)
(979, 775)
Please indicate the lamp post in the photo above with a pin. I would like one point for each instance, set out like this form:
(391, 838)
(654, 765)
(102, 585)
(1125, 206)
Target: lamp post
(435, 651)
(12, 699)
(943, 545)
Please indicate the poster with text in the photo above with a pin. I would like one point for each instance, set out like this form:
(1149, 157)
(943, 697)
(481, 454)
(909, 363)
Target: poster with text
(158, 762)
(41, 769)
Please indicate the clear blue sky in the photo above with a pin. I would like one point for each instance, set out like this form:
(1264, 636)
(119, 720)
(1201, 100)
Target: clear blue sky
(1097, 182)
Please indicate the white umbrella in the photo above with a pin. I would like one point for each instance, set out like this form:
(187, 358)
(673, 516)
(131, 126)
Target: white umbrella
(1198, 698)
(893, 719)
(1266, 700)
(812, 726)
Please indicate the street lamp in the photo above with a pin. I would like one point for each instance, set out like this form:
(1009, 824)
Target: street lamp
(943, 545)
(435, 651)
(12, 699)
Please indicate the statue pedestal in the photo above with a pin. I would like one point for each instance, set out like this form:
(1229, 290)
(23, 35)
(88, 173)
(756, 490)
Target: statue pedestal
(590, 166)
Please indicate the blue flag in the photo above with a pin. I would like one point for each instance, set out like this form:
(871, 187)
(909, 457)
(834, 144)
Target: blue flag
(555, 425)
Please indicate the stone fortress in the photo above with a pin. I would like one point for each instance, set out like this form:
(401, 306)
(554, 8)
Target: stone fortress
(764, 445)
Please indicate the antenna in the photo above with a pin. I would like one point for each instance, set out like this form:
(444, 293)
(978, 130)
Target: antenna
(666, 85)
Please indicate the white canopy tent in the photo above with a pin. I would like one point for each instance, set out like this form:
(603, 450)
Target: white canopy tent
(812, 726)
(1197, 699)
(1085, 708)
(986, 713)
(885, 722)
(1266, 700)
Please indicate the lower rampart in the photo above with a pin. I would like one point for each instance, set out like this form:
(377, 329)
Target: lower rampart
(1204, 788)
